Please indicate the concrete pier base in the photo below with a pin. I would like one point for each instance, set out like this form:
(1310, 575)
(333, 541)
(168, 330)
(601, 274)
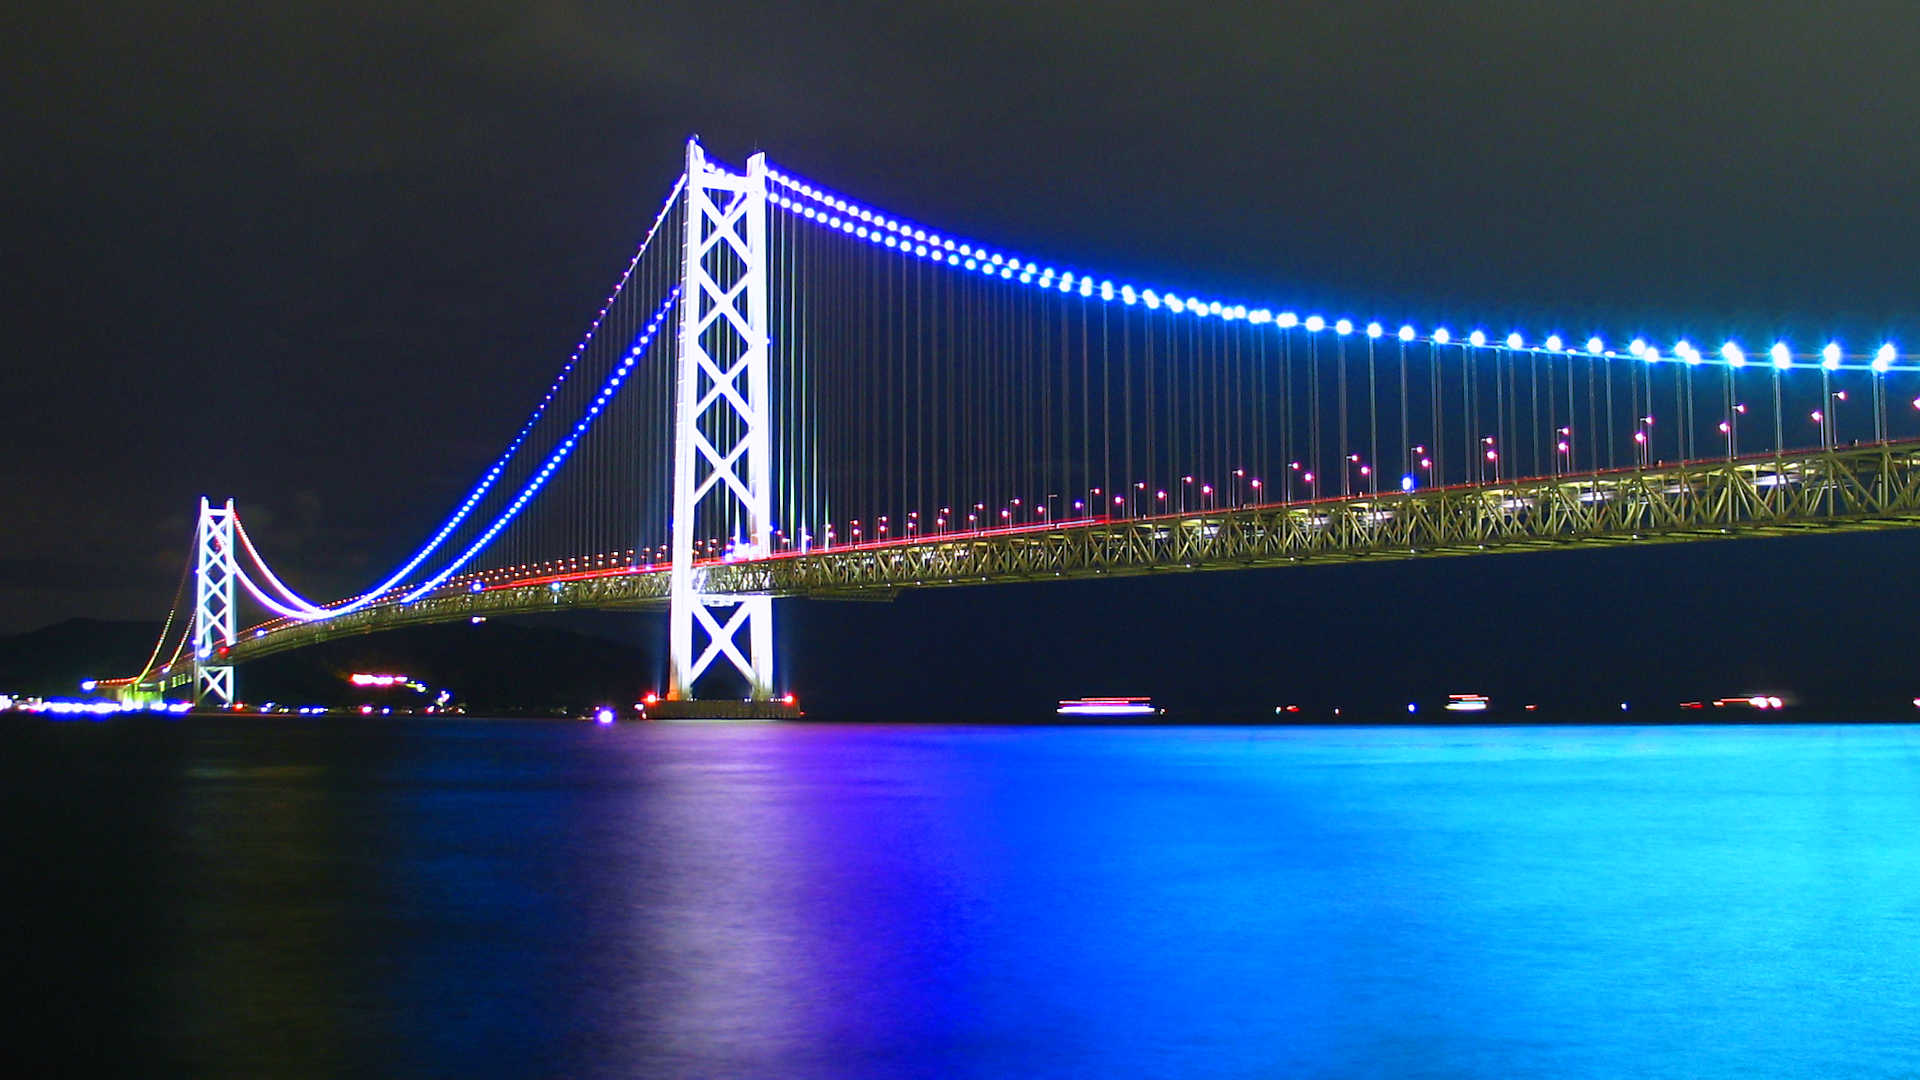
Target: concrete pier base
(723, 710)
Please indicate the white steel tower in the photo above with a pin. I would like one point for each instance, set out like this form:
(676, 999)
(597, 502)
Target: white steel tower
(722, 430)
(213, 622)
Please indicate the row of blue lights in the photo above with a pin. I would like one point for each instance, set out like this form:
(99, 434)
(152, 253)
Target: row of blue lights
(313, 612)
(840, 214)
(559, 454)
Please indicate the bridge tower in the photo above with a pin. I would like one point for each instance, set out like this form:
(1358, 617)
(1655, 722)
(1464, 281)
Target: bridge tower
(722, 429)
(213, 623)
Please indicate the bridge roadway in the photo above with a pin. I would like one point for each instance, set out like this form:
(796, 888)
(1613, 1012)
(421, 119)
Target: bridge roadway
(1848, 488)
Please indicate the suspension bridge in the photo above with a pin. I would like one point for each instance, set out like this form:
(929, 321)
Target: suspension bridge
(789, 393)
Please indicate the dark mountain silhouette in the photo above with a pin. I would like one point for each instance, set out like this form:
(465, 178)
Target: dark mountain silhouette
(54, 659)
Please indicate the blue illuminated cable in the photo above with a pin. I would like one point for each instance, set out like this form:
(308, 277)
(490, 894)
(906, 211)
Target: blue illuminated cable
(312, 612)
(559, 454)
(837, 213)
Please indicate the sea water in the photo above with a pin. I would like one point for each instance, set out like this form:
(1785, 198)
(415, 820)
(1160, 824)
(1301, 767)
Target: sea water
(309, 896)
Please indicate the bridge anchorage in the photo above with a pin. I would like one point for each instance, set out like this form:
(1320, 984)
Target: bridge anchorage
(856, 404)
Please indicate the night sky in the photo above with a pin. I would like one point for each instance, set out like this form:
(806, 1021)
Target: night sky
(323, 258)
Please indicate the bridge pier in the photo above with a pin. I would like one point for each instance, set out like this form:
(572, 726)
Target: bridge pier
(722, 710)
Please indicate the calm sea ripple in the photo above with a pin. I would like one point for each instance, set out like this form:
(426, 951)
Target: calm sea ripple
(462, 898)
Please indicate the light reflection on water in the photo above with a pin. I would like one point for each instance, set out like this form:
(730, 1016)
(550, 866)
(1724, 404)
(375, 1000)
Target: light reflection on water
(503, 898)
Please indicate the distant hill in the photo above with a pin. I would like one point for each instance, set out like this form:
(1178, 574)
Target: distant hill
(53, 659)
(492, 666)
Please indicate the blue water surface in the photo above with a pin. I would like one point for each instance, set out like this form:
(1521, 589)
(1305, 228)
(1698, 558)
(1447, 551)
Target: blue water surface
(462, 898)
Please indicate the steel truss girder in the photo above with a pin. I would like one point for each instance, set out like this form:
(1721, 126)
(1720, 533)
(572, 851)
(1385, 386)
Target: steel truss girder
(725, 261)
(1854, 488)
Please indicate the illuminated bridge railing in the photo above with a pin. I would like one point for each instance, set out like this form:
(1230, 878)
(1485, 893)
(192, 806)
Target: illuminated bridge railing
(1869, 487)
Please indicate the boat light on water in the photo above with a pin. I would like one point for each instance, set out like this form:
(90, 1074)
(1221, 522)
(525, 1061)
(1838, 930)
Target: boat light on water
(1108, 706)
(1750, 701)
(1467, 703)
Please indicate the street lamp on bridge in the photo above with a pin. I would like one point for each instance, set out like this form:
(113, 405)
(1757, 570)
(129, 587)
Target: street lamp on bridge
(1730, 427)
(1359, 465)
(1306, 477)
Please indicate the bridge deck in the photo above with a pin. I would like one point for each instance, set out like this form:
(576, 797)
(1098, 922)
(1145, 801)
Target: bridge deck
(1869, 487)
